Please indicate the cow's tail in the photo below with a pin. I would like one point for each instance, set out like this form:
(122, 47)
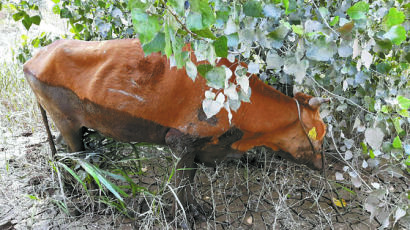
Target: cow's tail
(50, 137)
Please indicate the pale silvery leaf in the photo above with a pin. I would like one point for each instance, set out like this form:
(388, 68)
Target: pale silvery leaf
(348, 155)
(345, 85)
(228, 109)
(209, 94)
(271, 11)
(345, 168)
(228, 75)
(343, 21)
(231, 58)
(375, 185)
(345, 51)
(273, 60)
(321, 52)
(191, 69)
(399, 214)
(231, 92)
(234, 104)
(370, 207)
(245, 97)
(201, 48)
(366, 58)
(312, 26)
(355, 179)
(211, 107)
(231, 27)
(359, 65)
(243, 81)
(220, 98)
(377, 153)
(374, 137)
(117, 13)
(211, 55)
(339, 176)
(172, 61)
(348, 143)
(295, 68)
(253, 68)
(216, 78)
(364, 164)
(356, 48)
(240, 71)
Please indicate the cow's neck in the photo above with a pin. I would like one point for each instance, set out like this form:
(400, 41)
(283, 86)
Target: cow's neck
(268, 110)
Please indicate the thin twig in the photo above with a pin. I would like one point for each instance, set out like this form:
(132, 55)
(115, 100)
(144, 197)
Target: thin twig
(340, 97)
(324, 20)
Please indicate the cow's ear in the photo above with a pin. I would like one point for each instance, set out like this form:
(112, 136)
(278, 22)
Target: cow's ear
(302, 98)
(315, 102)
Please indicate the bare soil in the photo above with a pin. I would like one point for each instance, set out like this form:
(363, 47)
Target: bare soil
(260, 191)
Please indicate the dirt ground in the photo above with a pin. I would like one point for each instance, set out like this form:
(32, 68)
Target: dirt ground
(259, 191)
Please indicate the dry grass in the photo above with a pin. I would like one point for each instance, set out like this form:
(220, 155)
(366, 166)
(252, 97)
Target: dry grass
(258, 192)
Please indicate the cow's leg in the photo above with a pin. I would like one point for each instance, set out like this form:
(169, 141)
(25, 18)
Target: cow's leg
(186, 146)
(72, 134)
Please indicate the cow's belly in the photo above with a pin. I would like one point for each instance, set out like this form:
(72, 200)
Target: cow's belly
(68, 110)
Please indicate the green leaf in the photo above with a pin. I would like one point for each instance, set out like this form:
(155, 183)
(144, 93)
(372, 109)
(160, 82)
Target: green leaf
(403, 102)
(178, 5)
(138, 4)
(203, 69)
(407, 162)
(334, 21)
(56, 1)
(65, 13)
(298, 29)
(19, 15)
(147, 26)
(397, 143)
(279, 33)
(74, 175)
(202, 7)
(383, 67)
(404, 113)
(35, 42)
(397, 126)
(169, 32)
(156, 45)
(216, 77)
(396, 34)
(32, 197)
(364, 147)
(290, 6)
(56, 9)
(221, 47)
(371, 154)
(253, 8)
(36, 20)
(384, 43)
(358, 10)
(205, 33)
(27, 22)
(79, 27)
(394, 17)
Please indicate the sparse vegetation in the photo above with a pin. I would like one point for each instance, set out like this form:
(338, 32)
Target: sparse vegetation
(111, 186)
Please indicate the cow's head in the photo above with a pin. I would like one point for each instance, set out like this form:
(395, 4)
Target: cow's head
(294, 139)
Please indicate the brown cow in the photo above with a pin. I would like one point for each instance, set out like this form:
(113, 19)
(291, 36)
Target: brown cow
(112, 87)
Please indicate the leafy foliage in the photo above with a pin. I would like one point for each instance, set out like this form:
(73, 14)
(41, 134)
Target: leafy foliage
(356, 52)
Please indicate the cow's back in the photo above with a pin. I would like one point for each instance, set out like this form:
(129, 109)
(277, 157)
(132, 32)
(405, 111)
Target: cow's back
(116, 75)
